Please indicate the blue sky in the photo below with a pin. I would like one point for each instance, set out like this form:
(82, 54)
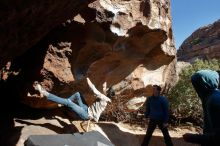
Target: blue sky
(189, 15)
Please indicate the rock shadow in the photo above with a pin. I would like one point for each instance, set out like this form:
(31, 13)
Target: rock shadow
(10, 137)
(122, 138)
(65, 129)
(10, 133)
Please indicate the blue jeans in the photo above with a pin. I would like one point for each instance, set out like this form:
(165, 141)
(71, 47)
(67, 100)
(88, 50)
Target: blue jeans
(80, 109)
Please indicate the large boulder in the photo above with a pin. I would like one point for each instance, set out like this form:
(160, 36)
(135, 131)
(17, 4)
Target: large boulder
(128, 44)
(23, 23)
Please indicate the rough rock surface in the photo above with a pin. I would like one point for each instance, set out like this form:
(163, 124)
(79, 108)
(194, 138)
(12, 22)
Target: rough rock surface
(204, 43)
(23, 23)
(128, 44)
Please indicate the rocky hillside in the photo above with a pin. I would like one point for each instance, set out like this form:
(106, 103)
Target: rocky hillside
(128, 44)
(204, 43)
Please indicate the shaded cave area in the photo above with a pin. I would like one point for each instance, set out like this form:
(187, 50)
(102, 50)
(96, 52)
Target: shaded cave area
(83, 45)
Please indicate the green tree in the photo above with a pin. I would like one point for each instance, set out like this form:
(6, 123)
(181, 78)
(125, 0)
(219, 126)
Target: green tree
(184, 102)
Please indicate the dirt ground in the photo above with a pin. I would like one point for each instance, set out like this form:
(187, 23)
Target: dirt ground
(118, 133)
(57, 122)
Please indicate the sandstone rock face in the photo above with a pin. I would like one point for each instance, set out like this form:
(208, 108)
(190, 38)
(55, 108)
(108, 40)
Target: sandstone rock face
(204, 43)
(128, 44)
(24, 23)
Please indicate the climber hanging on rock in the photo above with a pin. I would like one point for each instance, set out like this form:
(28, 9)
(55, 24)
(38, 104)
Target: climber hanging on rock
(84, 111)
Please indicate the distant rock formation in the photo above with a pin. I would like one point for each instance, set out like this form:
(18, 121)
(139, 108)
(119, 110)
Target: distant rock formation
(204, 43)
(128, 44)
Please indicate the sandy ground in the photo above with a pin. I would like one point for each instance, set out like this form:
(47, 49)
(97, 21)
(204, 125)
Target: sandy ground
(118, 133)
(57, 122)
